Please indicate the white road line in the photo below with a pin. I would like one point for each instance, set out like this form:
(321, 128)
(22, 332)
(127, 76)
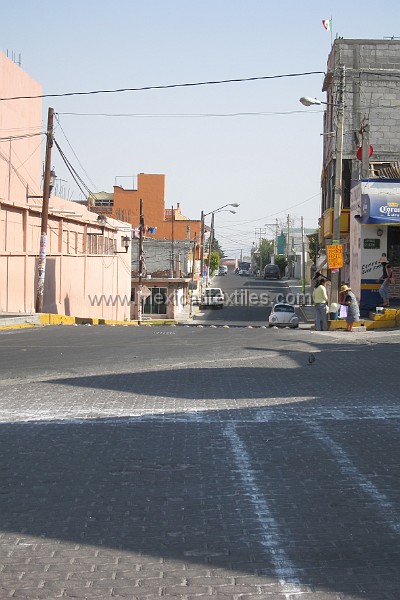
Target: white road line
(272, 540)
(383, 504)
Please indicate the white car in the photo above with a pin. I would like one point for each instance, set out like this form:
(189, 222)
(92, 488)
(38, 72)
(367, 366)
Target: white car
(212, 297)
(283, 315)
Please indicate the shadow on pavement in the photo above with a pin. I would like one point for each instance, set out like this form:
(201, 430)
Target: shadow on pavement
(287, 482)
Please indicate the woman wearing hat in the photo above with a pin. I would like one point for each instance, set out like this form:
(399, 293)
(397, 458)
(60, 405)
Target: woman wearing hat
(349, 300)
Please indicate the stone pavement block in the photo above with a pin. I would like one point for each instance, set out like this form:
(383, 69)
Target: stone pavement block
(209, 479)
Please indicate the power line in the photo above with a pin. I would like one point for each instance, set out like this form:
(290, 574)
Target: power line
(69, 144)
(166, 87)
(190, 115)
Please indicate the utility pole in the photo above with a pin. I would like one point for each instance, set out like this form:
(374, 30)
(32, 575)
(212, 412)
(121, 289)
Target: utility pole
(172, 243)
(201, 251)
(303, 261)
(193, 267)
(337, 199)
(45, 214)
(260, 232)
(141, 261)
(289, 261)
(210, 242)
(365, 151)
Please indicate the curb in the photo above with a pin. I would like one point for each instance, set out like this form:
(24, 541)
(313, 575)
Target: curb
(45, 319)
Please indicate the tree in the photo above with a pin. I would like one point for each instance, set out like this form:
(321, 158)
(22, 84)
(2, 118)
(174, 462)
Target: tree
(281, 261)
(213, 261)
(313, 246)
(215, 247)
(267, 249)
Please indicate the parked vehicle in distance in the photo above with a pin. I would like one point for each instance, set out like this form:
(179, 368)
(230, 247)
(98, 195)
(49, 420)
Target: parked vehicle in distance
(222, 270)
(212, 297)
(272, 272)
(244, 266)
(283, 315)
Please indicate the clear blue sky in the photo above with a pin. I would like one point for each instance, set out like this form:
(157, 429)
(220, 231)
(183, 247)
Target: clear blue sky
(269, 163)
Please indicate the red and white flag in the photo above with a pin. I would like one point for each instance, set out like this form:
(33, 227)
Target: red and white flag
(326, 23)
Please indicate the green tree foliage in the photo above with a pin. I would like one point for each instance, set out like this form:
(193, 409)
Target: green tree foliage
(214, 261)
(267, 249)
(281, 261)
(215, 247)
(313, 245)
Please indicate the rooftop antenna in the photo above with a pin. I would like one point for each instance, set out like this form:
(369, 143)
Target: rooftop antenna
(12, 56)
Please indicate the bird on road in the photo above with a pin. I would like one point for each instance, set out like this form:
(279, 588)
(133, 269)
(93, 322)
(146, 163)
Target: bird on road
(311, 358)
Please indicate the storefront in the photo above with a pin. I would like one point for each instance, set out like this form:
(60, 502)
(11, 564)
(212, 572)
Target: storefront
(374, 238)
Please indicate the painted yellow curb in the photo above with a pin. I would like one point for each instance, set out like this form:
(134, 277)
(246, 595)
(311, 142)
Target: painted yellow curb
(20, 326)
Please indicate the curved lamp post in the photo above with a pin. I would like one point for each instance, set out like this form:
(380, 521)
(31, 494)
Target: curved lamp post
(203, 216)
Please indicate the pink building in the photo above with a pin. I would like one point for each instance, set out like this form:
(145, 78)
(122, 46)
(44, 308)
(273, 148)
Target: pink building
(88, 271)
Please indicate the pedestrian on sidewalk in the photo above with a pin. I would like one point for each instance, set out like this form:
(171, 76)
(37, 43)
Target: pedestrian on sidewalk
(320, 298)
(353, 311)
(386, 279)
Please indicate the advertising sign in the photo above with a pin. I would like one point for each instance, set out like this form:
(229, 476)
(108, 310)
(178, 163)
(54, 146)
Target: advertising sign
(380, 209)
(335, 256)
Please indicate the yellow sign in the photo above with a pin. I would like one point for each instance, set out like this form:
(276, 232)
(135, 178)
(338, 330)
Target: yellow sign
(335, 256)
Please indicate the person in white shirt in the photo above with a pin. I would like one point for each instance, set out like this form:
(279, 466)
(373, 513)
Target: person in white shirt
(320, 298)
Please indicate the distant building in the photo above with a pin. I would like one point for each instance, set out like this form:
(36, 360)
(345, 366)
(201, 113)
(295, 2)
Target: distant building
(87, 268)
(168, 223)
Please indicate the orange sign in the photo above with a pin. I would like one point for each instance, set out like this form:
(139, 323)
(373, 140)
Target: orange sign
(335, 256)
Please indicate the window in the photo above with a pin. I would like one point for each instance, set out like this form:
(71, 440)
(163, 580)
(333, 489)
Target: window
(98, 244)
(284, 308)
(156, 304)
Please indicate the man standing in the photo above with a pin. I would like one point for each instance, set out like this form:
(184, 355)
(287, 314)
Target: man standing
(320, 298)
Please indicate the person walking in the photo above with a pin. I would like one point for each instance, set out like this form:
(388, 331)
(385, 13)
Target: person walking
(386, 279)
(353, 311)
(320, 298)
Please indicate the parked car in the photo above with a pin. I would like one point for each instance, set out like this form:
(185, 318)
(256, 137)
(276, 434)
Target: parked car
(212, 297)
(272, 272)
(283, 315)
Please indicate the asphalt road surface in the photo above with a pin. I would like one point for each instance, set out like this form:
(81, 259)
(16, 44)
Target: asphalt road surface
(248, 300)
(199, 462)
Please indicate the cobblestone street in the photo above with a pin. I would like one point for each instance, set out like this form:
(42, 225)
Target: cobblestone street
(189, 463)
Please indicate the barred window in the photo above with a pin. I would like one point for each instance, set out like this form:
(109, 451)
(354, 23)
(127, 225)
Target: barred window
(98, 244)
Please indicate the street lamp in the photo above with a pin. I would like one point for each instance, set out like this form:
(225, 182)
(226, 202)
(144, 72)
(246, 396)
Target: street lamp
(211, 238)
(337, 198)
(203, 216)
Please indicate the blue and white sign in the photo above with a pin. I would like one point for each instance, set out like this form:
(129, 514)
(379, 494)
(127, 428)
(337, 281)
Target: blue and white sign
(380, 209)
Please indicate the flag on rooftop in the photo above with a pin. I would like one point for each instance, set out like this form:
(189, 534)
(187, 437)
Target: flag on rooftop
(326, 24)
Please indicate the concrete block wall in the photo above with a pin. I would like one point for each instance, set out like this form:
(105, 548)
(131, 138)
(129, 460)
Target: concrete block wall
(374, 94)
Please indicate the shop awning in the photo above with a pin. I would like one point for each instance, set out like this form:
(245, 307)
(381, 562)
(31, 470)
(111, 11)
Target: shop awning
(380, 209)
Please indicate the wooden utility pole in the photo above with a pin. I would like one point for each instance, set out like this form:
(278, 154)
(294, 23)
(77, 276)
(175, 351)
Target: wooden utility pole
(365, 151)
(193, 267)
(289, 261)
(303, 261)
(210, 244)
(202, 251)
(141, 261)
(45, 214)
(172, 243)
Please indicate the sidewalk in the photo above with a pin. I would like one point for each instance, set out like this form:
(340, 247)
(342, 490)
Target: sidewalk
(390, 319)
